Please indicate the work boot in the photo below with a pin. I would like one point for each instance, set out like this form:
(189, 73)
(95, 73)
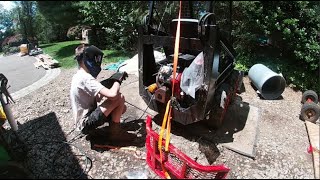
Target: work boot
(117, 133)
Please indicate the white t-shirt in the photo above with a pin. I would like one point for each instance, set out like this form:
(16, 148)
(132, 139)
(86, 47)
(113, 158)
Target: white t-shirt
(83, 92)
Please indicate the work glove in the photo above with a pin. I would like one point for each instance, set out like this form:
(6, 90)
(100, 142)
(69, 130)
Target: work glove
(119, 76)
(108, 83)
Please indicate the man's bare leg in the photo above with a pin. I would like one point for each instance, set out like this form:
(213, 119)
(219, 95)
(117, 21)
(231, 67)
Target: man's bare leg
(119, 110)
(114, 107)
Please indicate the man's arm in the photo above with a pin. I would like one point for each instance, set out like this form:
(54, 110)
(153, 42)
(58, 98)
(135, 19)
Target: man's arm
(111, 93)
(112, 86)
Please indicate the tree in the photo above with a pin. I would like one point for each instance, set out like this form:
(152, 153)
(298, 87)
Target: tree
(117, 19)
(60, 16)
(44, 29)
(26, 11)
(121, 19)
(292, 30)
(65, 13)
(6, 20)
(6, 24)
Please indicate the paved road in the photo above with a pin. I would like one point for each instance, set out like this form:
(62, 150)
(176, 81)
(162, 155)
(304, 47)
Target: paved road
(20, 71)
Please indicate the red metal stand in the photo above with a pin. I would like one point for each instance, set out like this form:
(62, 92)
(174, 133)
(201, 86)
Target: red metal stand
(177, 164)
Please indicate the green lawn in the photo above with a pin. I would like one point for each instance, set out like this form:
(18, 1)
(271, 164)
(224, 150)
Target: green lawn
(64, 53)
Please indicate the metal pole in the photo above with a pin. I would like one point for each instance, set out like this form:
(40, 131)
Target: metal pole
(151, 5)
(8, 112)
(230, 21)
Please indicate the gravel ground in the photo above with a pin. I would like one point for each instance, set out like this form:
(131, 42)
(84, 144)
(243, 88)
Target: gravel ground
(45, 119)
(282, 143)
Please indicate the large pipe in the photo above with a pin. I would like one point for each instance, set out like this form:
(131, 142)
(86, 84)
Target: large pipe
(270, 84)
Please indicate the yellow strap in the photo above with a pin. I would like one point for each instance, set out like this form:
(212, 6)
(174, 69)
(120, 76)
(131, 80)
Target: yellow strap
(164, 121)
(176, 49)
(160, 139)
(175, 62)
(2, 114)
(167, 116)
(168, 131)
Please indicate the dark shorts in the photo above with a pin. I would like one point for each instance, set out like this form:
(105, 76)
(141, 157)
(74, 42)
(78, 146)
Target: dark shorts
(93, 119)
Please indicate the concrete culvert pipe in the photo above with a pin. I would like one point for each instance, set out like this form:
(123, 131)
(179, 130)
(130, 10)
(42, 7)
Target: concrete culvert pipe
(270, 84)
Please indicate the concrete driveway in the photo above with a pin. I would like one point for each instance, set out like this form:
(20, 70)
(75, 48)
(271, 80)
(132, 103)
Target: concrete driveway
(20, 71)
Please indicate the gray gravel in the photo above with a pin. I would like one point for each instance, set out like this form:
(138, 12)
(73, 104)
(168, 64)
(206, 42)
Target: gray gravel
(45, 116)
(282, 143)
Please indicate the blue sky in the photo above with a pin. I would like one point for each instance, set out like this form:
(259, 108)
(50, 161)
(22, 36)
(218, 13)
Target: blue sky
(7, 4)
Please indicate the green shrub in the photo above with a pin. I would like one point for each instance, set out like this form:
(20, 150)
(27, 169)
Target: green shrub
(75, 32)
(120, 24)
(295, 76)
(7, 50)
(291, 32)
(13, 50)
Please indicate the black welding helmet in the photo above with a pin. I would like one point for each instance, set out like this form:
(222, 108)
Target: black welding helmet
(92, 58)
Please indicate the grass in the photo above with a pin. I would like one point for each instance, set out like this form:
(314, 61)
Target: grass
(64, 53)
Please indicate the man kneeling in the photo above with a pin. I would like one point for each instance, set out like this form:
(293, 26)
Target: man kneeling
(93, 104)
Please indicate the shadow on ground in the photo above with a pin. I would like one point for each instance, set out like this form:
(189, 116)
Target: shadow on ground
(209, 138)
(44, 150)
(260, 96)
(100, 141)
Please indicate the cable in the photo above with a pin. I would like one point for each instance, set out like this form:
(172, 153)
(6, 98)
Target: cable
(70, 143)
(134, 106)
(84, 154)
(71, 131)
(124, 85)
(147, 106)
(144, 111)
(80, 135)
